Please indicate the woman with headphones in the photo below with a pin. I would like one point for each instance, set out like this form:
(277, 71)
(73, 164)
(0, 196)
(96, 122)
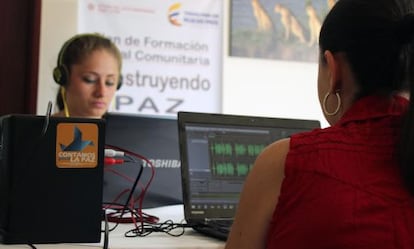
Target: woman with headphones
(89, 73)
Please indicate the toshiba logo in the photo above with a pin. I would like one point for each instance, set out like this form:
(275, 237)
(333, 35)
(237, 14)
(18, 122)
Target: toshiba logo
(164, 163)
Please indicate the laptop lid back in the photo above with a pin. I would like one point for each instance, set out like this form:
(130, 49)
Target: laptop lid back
(217, 152)
(155, 138)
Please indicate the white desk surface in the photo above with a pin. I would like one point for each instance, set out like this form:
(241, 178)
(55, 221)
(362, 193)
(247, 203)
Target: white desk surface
(190, 239)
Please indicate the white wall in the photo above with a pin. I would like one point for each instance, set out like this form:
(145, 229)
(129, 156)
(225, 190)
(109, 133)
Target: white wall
(268, 87)
(58, 23)
(250, 86)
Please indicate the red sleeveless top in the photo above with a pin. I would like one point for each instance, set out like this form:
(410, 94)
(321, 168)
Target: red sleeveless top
(342, 187)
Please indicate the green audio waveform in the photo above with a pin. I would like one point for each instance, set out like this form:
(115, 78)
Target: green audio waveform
(223, 169)
(231, 170)
(255, 149)
(226, 149)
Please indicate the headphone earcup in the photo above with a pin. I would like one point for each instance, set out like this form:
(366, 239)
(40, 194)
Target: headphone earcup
(60, 75)
(119, 82)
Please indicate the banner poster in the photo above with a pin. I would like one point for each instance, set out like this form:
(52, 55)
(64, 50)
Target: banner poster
(171, 52)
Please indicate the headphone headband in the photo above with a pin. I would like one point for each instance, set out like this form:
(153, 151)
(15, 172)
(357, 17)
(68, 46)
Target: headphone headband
(61, 71)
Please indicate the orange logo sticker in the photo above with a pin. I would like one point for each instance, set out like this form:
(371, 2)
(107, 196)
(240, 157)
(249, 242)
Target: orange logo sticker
(77, 145)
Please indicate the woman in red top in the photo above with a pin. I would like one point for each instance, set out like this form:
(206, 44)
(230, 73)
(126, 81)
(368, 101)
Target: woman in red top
(349, 185)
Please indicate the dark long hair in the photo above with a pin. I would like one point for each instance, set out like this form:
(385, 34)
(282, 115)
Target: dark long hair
(377, 37)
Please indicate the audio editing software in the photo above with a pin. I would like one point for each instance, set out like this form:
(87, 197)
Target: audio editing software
(220, 158)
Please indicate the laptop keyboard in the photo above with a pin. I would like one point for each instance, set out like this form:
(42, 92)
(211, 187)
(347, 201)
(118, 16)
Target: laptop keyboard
(220, 233)
(224, 223)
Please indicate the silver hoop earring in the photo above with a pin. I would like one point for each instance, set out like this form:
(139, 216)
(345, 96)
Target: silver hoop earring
(325, 110)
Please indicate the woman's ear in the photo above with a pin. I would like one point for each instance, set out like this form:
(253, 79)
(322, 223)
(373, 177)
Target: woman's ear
(334, 71)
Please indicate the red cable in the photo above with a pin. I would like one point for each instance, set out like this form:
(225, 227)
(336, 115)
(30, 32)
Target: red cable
(144, 190)
(112, 161)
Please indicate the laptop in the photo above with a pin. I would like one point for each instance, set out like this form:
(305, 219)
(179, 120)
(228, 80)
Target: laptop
(50, 179)
(217, 152)
(155, 138)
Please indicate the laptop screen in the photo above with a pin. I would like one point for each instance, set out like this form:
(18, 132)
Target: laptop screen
(217, 153)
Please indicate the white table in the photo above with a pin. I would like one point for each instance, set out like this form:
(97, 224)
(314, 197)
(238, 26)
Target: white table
(190, 239)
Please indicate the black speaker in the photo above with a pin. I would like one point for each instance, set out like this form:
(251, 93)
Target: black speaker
(42, 200)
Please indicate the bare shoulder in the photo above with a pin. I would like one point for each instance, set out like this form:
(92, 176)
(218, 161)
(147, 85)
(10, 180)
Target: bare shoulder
(274, 155)
(260, 193)
(277, 149)
(269, 167)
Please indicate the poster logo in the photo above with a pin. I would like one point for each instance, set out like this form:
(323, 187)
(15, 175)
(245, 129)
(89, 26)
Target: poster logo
(174, 14)
(77, 145)
(179, 15)
(91, 7)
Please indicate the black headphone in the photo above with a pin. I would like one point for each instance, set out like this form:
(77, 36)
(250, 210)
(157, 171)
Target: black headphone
(61, 72)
